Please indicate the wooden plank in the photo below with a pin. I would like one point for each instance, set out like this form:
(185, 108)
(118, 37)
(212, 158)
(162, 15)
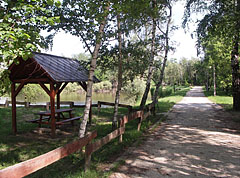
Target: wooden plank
(44, 88)
(83, 106)
(132, 116)
(14, 109)
(135, 115)
(45, 80)
(27, 167)
(61, 89)
(99, 143)
(19, 89)
(112, 104)
(69, 120)
(52, 102)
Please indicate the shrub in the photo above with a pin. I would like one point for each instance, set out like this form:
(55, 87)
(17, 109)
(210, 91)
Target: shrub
(105, 86)
(134, 90)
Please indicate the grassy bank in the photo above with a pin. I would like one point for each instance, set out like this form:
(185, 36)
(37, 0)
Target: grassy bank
(222, 99)
(225, 101)
(29, 143)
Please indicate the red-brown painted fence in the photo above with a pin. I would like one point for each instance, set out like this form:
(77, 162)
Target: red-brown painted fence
(27, 167)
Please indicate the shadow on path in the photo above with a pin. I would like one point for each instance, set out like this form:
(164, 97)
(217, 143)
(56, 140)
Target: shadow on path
(197, 140)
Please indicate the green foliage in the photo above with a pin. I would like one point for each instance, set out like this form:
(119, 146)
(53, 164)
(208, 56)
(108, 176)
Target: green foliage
(104, 86)
(134, 89)
(20, 27)
(31, 92)
(72, 87)
(184, 72)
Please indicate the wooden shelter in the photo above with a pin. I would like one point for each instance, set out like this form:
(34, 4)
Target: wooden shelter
(45, 69)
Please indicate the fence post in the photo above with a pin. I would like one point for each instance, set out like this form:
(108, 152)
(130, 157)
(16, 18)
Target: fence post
(121, 124)
(88, 156)
(47, 106)
(140, 120)
(99, 106)
(27, 104)
(6, 103)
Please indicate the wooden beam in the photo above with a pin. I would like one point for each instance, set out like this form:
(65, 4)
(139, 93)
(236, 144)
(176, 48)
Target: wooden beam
(90, 148)
(52, 102)
(14, 112)
(83, 85)
(58, 100)
(32, 165)
(62, 88)
(44, 88)
(44, 80)
(19, 89)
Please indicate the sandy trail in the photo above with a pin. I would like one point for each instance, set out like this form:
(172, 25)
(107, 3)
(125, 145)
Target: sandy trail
(197, 140)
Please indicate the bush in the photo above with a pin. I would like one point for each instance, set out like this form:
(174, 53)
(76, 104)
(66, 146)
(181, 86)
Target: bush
(163, 91)
(134, 90)
(105, 86)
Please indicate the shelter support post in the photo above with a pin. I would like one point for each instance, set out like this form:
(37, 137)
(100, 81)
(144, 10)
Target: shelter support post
(15, 92)
(14, 116)
(52, 101)
(58, 100)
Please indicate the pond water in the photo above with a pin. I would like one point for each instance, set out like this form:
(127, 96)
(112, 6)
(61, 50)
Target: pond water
(79, 98)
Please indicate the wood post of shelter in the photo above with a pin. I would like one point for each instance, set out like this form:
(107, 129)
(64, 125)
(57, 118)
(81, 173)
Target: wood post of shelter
(45, 69)
(14, 110)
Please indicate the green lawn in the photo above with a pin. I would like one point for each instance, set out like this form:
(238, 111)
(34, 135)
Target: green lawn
(28, 144)
(222, 99)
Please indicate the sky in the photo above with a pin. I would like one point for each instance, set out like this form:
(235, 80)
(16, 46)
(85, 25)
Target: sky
(68, 45)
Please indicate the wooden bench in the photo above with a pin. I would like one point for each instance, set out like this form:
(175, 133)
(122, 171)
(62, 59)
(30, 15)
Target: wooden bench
(37, 120)
(68, 120)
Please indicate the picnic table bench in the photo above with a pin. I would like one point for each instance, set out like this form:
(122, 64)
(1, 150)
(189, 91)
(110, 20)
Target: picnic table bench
(45, 117)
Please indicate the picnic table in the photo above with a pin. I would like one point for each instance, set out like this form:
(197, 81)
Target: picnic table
(45, 117)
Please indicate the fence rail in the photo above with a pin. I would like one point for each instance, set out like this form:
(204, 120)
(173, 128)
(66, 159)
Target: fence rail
(100, 103)
(27, 167)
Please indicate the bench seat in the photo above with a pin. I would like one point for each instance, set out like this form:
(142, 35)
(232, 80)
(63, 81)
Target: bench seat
(37, 120)
(68, 120)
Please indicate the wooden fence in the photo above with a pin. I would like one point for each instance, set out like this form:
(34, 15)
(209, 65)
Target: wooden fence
(27, 167)
(100, 103)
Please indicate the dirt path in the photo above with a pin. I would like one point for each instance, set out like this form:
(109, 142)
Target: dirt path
(197, 140)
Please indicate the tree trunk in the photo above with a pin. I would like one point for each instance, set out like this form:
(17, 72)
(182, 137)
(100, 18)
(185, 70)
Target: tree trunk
(119, 86)
(99, 36)
(214, 80)
(150, 68)
(207, 81)
(235, 76)
(155, 98)
(235, 65)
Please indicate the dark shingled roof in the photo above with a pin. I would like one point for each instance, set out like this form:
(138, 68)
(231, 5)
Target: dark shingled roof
(60, 69)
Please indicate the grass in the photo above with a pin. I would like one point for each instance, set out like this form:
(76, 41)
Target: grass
(222, 99)
(167, 103)
(28, 144)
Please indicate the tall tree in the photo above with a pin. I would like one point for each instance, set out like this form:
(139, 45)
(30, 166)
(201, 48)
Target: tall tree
(167, 48)
(117, 96)
(151, 59)
(221, 19)
(88, 101)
